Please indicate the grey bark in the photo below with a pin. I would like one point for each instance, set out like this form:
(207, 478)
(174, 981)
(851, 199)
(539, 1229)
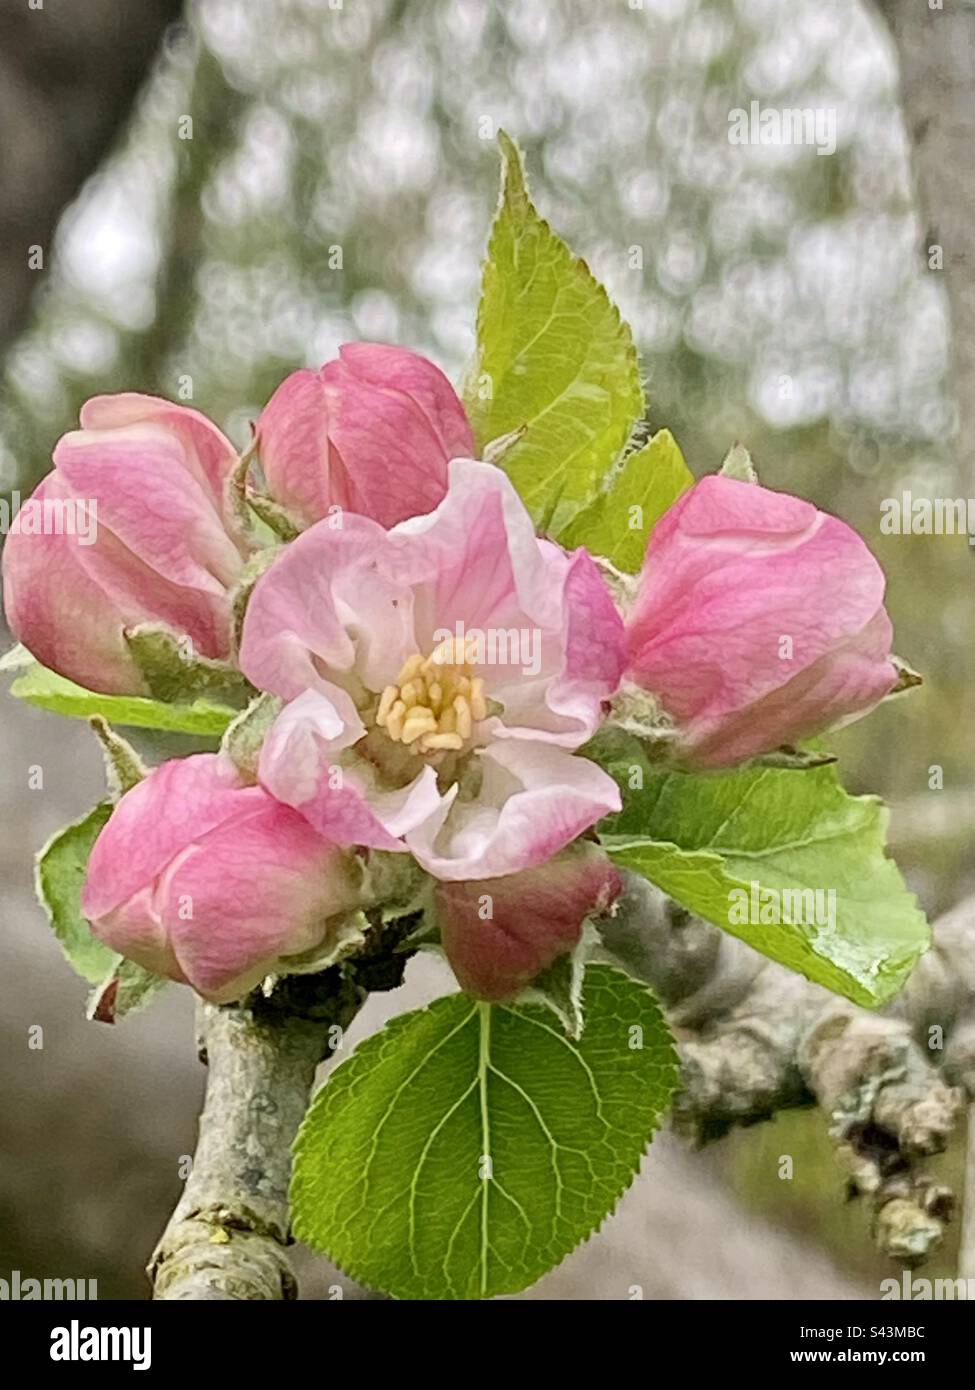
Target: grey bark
(756, 1038)
(227, 1238)
(936, 53)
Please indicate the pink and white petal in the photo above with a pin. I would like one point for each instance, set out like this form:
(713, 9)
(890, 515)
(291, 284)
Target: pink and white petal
(476, 558)
(140, 594)
(254, 889)
(208, 452)
(535, 798)
(716, 528)
(725, 652)
(317, 726)
(594, 635)
(394, 421)
(499, 933)
(393, 368)
(135, 930)
(568, 706)
(840, 687)
(177, 802)
(146, 497)
(292, 442)
(301, 764)
(68, 618)
(326, 607)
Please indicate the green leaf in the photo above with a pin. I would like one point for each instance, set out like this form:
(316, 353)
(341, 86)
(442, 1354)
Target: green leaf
(121, 985)
(466, 1149)
(705, 840)
(617, 524)
(124, 769)
(738, 465)
(60, 874)
(554, 360)
(559, 987)
(244, 738)
(174, 672)
(127, 988)
(41, 687)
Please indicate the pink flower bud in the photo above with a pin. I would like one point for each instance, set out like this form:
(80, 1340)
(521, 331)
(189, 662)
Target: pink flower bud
(371, 432)
(758, 621)
(499, 933)
(133, 525)
(208, 881)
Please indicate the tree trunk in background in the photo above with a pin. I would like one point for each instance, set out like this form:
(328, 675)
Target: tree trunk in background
(936, 49)
(69, 75)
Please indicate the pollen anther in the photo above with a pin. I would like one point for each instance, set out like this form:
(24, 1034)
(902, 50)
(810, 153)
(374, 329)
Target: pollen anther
(435, 702)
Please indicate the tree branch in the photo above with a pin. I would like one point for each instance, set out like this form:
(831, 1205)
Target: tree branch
(228, 1235)
(756, 1038)
(227, 1238)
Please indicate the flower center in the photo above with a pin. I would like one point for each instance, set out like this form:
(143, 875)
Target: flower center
(435, 702)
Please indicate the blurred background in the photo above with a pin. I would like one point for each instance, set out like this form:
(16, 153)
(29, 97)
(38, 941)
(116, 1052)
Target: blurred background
(224, 191)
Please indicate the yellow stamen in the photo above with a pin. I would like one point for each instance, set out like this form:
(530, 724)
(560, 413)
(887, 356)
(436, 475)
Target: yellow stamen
(433, 743)
(411, 668)
(478, 702)
(436, 700)
(462, 711)
(394, 720)
(418, 721)
(389, 697)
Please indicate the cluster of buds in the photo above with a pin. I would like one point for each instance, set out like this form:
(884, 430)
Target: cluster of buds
(757, 621)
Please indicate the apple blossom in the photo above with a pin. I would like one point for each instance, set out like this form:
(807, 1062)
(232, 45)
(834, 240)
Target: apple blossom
(758, 621)
(371, 432)
(152, 478)
(212, 882)
(396, 737)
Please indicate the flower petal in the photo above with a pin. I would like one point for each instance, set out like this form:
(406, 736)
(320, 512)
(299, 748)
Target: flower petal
(70, 616)
(147, 497)
(255, 889)
(328, 606)
(292, 442)
(208, 453)
(370, 433)
(534, 799)
(301, 765)
(747, 597)
(159, 817)
(394, 422)
(499, 933)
